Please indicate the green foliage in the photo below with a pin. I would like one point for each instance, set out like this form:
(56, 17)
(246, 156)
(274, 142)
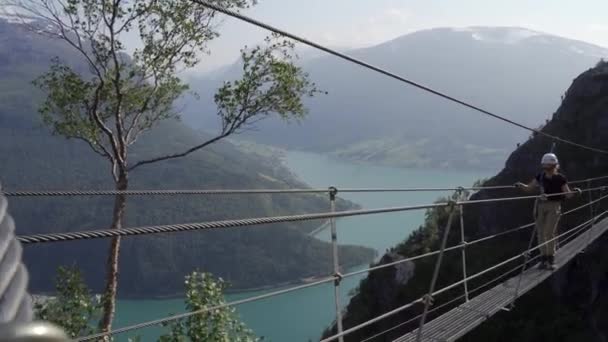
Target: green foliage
(215, 325)
(81, 107)
(73, 308)
(271, 83)
(119, 98)
(426, 237)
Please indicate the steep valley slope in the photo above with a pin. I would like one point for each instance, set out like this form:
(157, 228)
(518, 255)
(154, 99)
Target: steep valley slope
(572, 305)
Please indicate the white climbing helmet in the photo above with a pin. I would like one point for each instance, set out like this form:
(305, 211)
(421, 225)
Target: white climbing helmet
(549, 159)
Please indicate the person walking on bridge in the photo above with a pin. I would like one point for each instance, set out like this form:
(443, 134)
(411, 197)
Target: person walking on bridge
(554, 189)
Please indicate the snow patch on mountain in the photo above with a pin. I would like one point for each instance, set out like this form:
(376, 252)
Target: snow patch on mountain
(511, 35)
(516, 35)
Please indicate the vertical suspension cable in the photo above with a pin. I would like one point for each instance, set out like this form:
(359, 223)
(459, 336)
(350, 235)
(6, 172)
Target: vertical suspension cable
(463, 251)
(336, 263)
(526, 256)
(428, 298)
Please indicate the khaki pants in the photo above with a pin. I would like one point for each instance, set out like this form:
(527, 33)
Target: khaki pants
(547, 217)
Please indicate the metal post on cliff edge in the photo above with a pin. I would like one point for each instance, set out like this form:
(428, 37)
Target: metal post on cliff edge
(428, 298)
(592, 216)
(333, 191)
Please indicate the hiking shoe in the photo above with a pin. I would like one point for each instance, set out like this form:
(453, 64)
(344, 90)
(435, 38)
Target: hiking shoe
(551, 263)
(543, 263)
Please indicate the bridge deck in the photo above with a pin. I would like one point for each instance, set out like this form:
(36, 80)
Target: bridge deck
(464, 318)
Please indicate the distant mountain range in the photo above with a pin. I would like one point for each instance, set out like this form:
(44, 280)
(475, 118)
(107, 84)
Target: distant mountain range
(514, 72)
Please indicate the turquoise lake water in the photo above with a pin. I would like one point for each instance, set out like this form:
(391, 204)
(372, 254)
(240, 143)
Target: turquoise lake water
(301, 316)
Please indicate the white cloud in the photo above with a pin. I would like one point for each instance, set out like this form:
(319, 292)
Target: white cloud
(329, 38)
(597, 34)
(598, 28)
(374, 29)
(399, 14)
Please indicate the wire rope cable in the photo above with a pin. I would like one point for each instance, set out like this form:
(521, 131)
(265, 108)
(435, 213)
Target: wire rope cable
(211, 192)
(15, 303)
(107, 233)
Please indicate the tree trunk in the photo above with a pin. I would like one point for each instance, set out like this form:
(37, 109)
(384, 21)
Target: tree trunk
(109, 295)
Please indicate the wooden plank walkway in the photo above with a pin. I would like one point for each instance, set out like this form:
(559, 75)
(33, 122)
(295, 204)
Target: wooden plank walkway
(466, 317)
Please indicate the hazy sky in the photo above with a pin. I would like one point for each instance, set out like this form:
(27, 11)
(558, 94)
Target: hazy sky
(357, 23)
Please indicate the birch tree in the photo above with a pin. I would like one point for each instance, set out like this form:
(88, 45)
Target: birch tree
(122, 96)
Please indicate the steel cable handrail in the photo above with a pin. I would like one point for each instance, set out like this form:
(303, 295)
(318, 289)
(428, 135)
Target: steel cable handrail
(107, 233)
(171, 192)
(168, 192)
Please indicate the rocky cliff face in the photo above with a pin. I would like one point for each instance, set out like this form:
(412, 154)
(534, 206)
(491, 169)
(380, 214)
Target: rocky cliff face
(573, 304)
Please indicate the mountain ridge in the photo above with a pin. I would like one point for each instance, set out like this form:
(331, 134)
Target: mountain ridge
(523, 81)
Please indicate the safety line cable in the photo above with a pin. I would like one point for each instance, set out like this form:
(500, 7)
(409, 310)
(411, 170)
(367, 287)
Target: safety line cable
(144, 192)
(210, 192)
(108, 233)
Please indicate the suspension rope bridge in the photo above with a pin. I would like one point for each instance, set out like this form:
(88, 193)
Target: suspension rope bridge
(480, 303)
(478, 307)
